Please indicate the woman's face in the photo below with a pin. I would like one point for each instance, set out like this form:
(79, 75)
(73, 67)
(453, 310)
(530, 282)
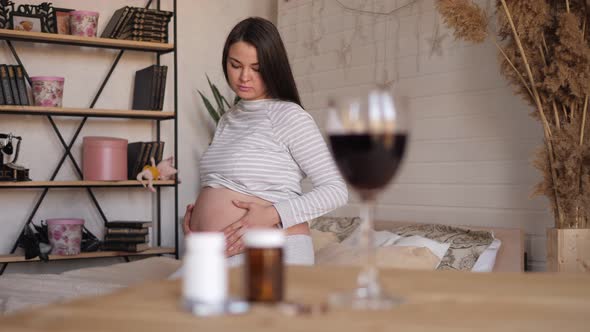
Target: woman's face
(243, 72)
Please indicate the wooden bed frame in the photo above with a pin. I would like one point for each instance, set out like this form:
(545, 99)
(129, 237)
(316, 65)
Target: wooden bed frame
(511, 255)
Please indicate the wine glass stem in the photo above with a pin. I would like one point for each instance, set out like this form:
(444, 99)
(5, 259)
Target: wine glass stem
(368, 277)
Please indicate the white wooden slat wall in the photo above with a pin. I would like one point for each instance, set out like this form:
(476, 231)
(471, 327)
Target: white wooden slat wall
(472, 140)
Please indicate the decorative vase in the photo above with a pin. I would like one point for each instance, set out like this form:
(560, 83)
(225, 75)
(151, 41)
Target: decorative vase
(568, 250)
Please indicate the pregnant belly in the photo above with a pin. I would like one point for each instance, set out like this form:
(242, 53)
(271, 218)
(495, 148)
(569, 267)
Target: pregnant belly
(214, 210)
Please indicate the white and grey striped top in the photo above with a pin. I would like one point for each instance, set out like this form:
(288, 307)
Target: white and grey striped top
(264, 148)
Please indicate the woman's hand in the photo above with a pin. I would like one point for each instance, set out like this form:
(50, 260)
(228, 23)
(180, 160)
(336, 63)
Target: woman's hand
(186, 223)
(257, 216)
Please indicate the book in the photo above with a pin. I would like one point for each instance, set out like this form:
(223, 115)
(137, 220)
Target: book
(21, 86)
(6, 85)
(160, 151)
(157, 87)
(134, 152)
(129, 224)
(115, 22)
(119, 246)
(146, 39)
(145, 157)
(162, 92)
(2, 102)
(13, 88)
(136, 13)
(145, 21)
(155, 27)
(127, 231)
(126, 238)
(143, 87)
(150, 34)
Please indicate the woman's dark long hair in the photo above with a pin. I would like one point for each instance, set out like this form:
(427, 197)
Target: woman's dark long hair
(272, 56)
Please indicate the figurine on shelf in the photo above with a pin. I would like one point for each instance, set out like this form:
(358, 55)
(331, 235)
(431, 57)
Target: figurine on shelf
(164, 171)
(11, 171)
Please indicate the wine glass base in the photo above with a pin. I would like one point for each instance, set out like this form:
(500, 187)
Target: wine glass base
(361, 299)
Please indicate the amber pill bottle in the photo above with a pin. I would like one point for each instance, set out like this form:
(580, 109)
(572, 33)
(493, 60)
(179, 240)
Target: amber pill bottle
(263, 266)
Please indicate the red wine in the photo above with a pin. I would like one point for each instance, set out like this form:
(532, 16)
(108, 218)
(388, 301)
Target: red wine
(368, 162)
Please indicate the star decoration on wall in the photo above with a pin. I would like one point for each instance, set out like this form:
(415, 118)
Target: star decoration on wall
(436, 42)
(344, 53)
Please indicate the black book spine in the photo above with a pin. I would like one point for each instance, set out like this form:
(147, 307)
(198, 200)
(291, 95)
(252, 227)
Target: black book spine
(125, 238)
(13, 88)
(154, 92)
(133, 153)
(159, 28)
(144, 79)
(163, 87)
(146, 39)
(2, 102)
(137, 163)
(142, 33)
(22, 86)
(116, 19)
(6, 85)
(160, 152)
(128, 224)
(119, 25)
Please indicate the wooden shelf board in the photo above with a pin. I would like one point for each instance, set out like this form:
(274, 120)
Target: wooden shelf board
(85, 41)
(89, 112)
(96, 254)
(37, 184)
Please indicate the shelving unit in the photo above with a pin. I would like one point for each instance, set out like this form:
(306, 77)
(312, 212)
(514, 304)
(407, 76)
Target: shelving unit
(50, 38)
(97, 254)
(85, 113)
(81, 184)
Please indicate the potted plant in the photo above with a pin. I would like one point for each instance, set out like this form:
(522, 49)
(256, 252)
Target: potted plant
(544, 52)
(216, 112)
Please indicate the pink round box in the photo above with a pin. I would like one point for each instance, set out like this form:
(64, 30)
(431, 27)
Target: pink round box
(48, 91)
(104, 158)
(65, 235)
(83, 23)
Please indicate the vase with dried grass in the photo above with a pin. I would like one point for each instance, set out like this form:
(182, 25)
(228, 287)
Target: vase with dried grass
(544, 52)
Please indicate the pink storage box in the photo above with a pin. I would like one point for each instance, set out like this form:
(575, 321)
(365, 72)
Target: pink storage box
(83, 23)
(48, 91)
(104, 158)
(65, 235)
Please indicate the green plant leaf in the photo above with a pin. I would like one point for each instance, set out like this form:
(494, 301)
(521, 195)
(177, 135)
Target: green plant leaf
(212, 112)
(225, 101)
(216, 95)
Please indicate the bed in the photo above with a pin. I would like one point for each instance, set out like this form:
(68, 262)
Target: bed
(23, 291)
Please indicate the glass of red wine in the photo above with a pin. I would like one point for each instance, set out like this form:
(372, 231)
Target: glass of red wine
(367, 136)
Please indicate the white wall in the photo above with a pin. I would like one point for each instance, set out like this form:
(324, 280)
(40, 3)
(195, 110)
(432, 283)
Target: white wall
(202, 28)
(472, 139)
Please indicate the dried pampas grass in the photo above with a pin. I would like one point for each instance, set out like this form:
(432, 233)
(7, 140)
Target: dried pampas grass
(468, 20)
(544, 52)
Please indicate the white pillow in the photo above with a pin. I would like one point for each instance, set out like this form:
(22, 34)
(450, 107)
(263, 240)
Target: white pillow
(380, 238)
(437, 248)
(485, 262)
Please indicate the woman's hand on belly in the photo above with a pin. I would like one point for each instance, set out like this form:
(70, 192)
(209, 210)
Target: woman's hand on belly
(257, 216)
(186, 223)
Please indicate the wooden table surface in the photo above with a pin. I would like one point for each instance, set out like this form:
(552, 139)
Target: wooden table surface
(435, 301)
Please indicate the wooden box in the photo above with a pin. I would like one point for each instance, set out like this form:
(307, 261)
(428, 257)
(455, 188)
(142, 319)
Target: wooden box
(568, 250)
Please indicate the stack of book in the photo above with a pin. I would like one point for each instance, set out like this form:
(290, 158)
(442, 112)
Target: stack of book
(132, 236)
(135, 23)
(140, 154)
(13, 90)
(149, 88)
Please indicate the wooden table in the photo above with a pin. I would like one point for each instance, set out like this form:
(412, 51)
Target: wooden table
(435, 301)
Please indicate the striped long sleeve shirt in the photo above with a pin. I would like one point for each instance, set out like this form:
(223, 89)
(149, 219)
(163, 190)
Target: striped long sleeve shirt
(265, 148)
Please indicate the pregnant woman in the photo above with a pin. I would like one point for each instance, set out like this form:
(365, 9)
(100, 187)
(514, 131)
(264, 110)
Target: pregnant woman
(263, 147)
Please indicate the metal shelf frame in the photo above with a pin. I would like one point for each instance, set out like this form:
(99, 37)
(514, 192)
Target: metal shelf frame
(159, 49)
